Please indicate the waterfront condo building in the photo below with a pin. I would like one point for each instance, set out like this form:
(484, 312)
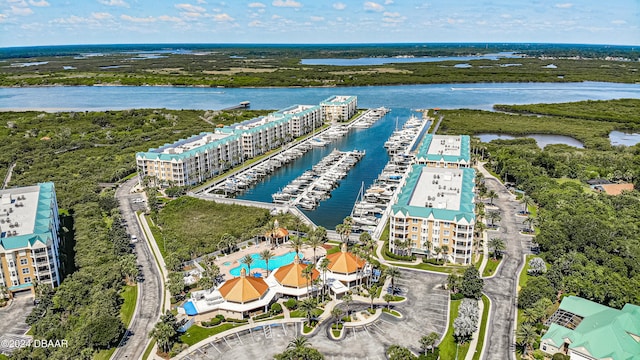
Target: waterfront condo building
(29, 237)
(445, 151)
(435, 208)
(339, 108)
(193, 160)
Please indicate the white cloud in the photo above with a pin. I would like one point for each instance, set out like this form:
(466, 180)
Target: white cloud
(222, 17)
(169, 18)
(190, 8)
(373, 6)
(23, 11)
(317, 18)
(120, 3)
(41, 3)
(618, 22)
(339, 6)
(256, 23)
(134, 19)
(564, 6)
(286, 3)
(257, 5)
(101, 15)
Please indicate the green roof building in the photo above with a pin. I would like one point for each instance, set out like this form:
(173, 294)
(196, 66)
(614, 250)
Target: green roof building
(584, 329)
(29, 237)
(435, 209)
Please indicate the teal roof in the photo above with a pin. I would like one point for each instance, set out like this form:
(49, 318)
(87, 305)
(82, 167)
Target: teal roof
(604, 332)
(331, 100)
(466, 208)
(43, 223)
(465, 150)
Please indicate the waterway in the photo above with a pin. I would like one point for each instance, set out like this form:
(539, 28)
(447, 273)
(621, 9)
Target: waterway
(331, 211)
(447, 96)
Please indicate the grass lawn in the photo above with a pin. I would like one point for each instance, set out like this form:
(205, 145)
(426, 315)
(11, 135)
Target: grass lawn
(448, 345)
(491, 267)
(483, 324)
(130, 296)
(148, 350)
(197, 333)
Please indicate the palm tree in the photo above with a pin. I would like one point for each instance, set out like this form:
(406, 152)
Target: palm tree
(372, 294)
(307, 273)
(296, 243)
(393, 273)
(388, 298)
(347, 299)
(324, 266)
(497, 244)
(493, 216)
(314, 241)
(492, 195)
(307, 307)
(266, 255)
(445, 251)
(526, 336)
(247, 260)
(529, 221)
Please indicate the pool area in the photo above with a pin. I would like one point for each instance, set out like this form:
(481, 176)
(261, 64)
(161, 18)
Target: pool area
(274, 262)
(190, 309)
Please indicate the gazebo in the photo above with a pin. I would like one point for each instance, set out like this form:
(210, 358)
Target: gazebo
(346, 267)
(292, 280)
(277, 233)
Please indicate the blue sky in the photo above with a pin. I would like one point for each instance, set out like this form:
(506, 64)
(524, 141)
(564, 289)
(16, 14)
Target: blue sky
(59, 22)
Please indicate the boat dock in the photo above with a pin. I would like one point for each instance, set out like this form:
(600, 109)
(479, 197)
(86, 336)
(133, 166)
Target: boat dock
(316, 184)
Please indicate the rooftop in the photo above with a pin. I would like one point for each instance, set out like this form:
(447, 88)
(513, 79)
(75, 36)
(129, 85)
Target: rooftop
(604, 332)
(448, 148)
(26, 215)
(445, 193)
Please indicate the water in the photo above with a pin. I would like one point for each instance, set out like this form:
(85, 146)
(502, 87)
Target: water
(333, 210)
(274, 262)
(396, 60)
(623, 138)
(447, 96)
(541, 139)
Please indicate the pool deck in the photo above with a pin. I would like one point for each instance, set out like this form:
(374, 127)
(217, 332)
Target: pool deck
(234, 258)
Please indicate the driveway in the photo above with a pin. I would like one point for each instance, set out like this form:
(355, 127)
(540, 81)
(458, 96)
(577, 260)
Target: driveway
(424, 311)
(502, 288)
(12, 318)
(150, 285)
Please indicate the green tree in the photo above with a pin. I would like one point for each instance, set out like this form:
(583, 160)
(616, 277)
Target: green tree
(472, 284)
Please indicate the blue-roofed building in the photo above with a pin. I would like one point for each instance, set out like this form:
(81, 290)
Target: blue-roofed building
(435, 208)
(29, 237)
(200, 157)
(445, 151)
(339, 107)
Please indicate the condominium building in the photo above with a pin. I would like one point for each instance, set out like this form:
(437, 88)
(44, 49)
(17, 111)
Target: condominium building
(435, 208)
(193, 160)
(29, 237)
(339, 108)
(446, 151)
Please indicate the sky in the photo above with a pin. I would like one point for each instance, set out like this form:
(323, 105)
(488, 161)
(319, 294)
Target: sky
(64, 22)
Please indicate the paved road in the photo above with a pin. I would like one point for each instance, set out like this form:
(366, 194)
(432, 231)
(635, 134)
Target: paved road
(150, 287)
(502, 287)
(12, 318)
(425, 311)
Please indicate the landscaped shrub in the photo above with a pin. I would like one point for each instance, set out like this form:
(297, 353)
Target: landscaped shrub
(291, 304)
(276, 308)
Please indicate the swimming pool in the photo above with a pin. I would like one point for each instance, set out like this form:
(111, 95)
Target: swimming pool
(190, 309)
(274, 262)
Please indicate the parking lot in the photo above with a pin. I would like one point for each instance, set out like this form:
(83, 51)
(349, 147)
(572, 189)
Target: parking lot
(424, 311)
(12, 318)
